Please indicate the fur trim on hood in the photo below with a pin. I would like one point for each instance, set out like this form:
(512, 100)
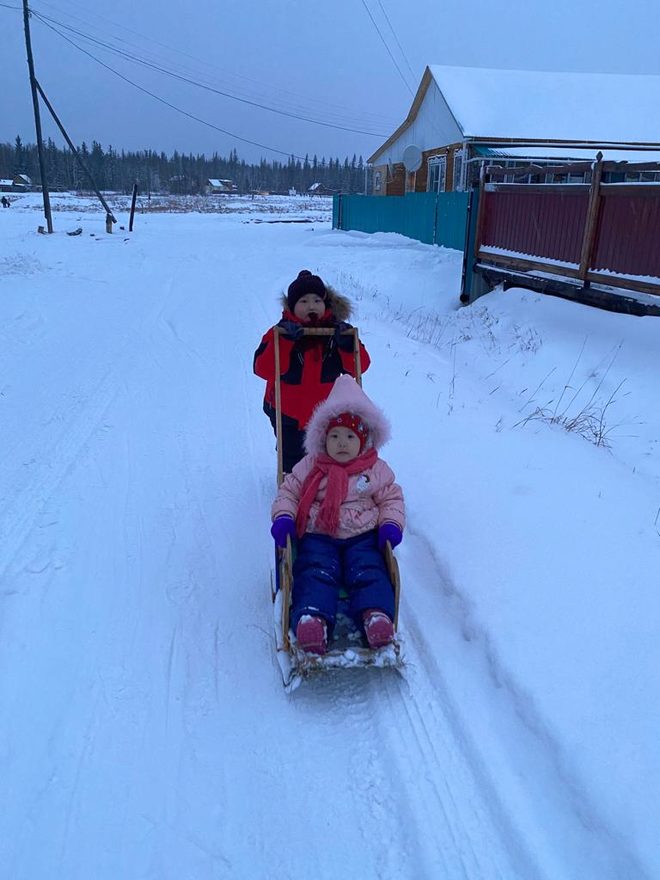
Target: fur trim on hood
(346, 396)
(339, 305)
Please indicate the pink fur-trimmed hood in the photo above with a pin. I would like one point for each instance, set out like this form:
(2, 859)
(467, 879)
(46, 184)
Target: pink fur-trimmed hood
(346, 396)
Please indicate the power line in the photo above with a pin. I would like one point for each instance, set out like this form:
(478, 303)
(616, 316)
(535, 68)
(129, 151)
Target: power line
(45, 19)
(387, 19)
(140, 49)
(389, 52)
(167, 103)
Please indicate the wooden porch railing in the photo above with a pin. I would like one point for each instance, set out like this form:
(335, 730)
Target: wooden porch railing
(605, 233)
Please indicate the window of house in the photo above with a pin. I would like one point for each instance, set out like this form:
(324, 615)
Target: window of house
(378, 181)
(459, 165)
(437, 174)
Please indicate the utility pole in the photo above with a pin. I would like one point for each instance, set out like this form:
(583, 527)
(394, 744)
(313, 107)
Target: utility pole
(37, 118)
(75, 152)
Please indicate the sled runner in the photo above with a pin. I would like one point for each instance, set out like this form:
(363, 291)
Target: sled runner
(347, 648)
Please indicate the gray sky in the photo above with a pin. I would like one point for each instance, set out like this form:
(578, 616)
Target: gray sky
(321, 60)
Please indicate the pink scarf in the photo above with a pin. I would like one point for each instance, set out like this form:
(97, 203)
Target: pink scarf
(335, 492)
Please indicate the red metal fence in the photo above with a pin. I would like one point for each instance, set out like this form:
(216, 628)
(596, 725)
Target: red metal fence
(628, 231)
(603, 233)
(535, 221)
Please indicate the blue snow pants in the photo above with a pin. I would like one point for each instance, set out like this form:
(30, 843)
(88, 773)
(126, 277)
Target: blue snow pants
(325, 565)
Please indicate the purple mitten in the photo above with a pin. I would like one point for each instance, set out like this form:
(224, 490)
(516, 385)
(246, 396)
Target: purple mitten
(389, 531)
(282, 527)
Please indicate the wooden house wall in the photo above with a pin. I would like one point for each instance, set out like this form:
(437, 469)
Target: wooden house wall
(396, 180)
(421, 177)
(393, 180)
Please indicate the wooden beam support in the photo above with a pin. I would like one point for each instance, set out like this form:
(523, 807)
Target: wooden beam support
(589, 236)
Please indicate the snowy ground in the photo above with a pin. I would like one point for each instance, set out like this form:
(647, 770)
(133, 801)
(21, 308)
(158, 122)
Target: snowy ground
(144, 731)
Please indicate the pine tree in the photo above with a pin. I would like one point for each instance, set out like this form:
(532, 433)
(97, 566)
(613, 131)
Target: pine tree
(19, 156)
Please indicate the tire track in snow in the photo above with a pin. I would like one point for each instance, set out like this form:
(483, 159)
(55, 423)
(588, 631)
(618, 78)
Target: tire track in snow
(457, 832)
(57, 460)
(450, 789)
(573, 845)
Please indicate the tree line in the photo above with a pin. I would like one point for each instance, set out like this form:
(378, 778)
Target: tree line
(118, 170)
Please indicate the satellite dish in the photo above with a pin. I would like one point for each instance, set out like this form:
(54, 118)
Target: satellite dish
(412, 157)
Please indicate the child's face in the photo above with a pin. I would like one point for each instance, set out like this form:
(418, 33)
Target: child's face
(309, 307)
(342, 444)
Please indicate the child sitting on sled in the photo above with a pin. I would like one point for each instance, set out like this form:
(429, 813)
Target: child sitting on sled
(308, 364)
(343, 505)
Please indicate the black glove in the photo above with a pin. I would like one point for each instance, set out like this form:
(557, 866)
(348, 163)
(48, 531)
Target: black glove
(291, 330)
(344, 341)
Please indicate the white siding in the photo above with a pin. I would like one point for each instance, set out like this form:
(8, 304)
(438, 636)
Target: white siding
(434, 126)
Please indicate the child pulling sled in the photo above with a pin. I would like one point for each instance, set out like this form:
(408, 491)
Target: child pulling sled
(308, 364)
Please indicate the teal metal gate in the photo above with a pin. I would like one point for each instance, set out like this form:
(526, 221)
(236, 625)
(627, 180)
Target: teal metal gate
(434, 218)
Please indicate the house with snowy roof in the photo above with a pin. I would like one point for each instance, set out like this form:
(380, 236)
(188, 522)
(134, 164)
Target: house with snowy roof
(320, 189)
(17, 183)
(463, 117)
(220, 185)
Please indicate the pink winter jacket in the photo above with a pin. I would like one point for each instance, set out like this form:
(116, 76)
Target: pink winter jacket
(372, 499)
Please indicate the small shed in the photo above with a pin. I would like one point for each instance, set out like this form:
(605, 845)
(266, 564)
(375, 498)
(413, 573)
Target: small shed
(320, 189)
(17, 183)
(464, 117)
(218, 185)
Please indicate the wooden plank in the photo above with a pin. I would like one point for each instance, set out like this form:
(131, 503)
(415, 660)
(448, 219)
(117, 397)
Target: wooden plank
(524, 264)
(480, 211)
(641, 190)
(572, 168)
(634, 167)
(529, 188)
(502, 262)
(628, 283)
(533, 168)
(278, 405)
(589, 237)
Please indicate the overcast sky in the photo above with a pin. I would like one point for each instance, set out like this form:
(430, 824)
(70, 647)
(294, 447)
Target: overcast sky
(352, 63)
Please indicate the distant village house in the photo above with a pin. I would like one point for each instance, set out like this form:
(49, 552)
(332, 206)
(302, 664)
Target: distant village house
(215, 185)
(17, 183)
(319, 189)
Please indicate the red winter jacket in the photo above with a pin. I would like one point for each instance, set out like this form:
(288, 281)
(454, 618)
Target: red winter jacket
(308, 368)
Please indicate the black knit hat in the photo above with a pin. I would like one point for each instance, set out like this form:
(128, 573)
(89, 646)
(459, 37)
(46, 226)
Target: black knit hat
(305, 283)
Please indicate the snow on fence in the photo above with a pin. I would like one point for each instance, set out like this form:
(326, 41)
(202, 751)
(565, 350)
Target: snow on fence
(602, 233)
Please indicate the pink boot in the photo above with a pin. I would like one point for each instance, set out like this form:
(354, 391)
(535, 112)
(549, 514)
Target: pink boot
(312, 635)
(378, 628)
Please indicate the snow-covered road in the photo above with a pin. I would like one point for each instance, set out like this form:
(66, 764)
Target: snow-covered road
(145, 732)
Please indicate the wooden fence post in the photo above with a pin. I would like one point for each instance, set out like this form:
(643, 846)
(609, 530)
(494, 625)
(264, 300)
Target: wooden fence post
(133, 200)
(480, 209)
(589, 237)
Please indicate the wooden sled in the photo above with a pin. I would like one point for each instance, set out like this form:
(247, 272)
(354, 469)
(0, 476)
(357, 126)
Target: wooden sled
(347, 649)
